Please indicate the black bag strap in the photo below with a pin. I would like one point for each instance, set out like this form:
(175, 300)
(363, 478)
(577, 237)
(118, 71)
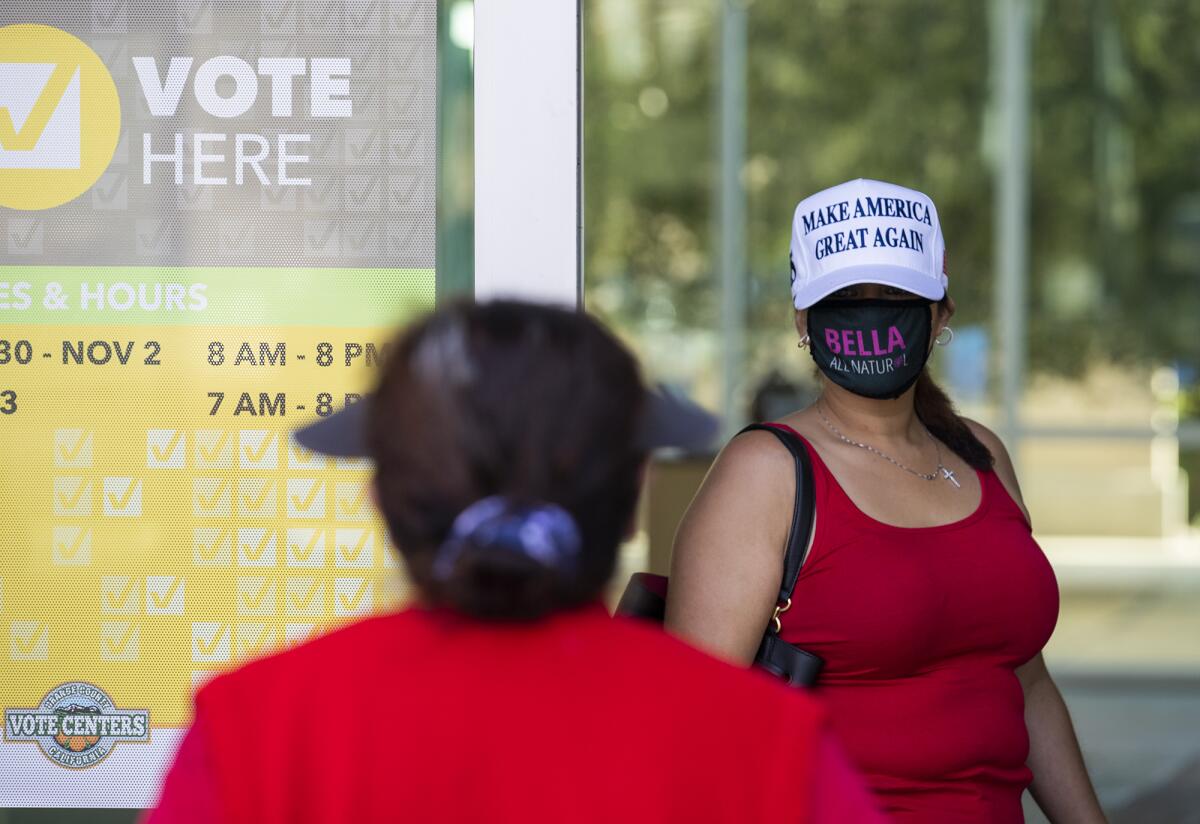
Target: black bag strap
(803, 509)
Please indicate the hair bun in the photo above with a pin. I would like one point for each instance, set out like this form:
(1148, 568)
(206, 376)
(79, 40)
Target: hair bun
(543, 532)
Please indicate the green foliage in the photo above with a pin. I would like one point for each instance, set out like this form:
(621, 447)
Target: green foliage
(901, 90)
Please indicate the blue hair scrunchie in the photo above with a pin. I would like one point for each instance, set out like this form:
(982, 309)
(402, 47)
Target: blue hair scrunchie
(543, 532)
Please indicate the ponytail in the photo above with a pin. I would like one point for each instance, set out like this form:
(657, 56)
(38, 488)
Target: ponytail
(937, 412)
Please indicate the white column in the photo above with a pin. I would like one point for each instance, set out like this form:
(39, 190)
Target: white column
(1011, 64)
(731, 213)
(528, 150)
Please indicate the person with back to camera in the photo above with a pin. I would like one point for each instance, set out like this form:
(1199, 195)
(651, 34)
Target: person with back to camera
(509, 443)
(924, 591)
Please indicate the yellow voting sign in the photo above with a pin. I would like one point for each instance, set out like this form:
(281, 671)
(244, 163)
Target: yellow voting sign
(214, 219)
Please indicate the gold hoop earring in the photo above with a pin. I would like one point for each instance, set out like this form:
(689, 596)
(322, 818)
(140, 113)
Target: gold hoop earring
(803, 342)
(938, 340)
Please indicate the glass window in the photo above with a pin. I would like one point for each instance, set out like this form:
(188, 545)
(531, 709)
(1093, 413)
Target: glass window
(1105, 424)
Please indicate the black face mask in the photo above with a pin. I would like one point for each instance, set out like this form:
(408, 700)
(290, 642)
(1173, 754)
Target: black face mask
(873, 348)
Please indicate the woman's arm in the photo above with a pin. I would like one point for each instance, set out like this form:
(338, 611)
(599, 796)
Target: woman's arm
(727, 562)
(1061, 785)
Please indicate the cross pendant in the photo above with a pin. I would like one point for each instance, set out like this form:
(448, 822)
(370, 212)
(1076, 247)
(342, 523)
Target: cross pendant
(948, 474)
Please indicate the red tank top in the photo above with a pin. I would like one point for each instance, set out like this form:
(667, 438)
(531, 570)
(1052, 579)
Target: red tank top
(921, 630)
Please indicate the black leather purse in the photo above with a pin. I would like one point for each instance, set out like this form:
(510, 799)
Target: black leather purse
(646, 595)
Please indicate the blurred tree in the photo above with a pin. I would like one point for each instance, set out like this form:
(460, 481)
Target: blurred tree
(901, 90)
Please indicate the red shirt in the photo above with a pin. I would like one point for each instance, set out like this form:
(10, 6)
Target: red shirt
(921, 631)
(428, 716)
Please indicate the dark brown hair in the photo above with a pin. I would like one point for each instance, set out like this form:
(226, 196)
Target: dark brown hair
(536, 404)
(937, 412)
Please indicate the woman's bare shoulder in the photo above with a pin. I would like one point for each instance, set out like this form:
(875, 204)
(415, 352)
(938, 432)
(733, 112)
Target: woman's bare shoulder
(1002, 461)
(755, 451)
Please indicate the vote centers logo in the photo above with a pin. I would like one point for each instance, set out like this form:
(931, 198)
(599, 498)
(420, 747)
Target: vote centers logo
(60, 117)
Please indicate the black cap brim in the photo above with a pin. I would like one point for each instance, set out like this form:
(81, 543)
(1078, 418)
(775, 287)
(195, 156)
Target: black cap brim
(672, 421)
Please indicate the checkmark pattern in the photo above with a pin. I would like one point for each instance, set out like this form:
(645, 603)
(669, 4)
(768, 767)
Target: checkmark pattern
(258, 449)
(26, 236)
(350, 501)
(275, 520)
(29, 641)
(352, 596)
(73, 496)
(120, 595)
(354, 548)
(122, 497)
(257, 497)
(110, 16)
(256, 597)
(213, 449)
(73, 448)
(305, 547)
(165, 594)
(278, 545)
(282, 545)
(306, 498)
(120, 641)
(71, 545)
(166, 449)
(254, 639)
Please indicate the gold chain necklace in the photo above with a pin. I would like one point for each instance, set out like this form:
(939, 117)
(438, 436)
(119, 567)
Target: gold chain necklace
(941, 469)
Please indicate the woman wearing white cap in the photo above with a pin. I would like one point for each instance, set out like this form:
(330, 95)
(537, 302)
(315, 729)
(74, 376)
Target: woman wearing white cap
(923, 590)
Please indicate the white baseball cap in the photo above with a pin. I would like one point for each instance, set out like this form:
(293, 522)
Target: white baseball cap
(866, 231)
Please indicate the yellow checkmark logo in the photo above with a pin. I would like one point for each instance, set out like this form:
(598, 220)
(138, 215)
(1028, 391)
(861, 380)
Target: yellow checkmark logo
(302, 546)
(301, 458)
(165, 448)
(164, 595)
(72, 448)
(26, 139)
(306, 498)
(210, 641)
(351, 594)
(254, 638)
(72, 117)
(256, 495)
(350, 500)
(72, 545)
(304, 596)
(119, 641)
(30, 641)
(117, 594)
(256, 596)
(211, 496)
(351, 547)
(212, 546)
(257, 449)
(72, 496)
(212, 448)
(120, 497)
(253, 545)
